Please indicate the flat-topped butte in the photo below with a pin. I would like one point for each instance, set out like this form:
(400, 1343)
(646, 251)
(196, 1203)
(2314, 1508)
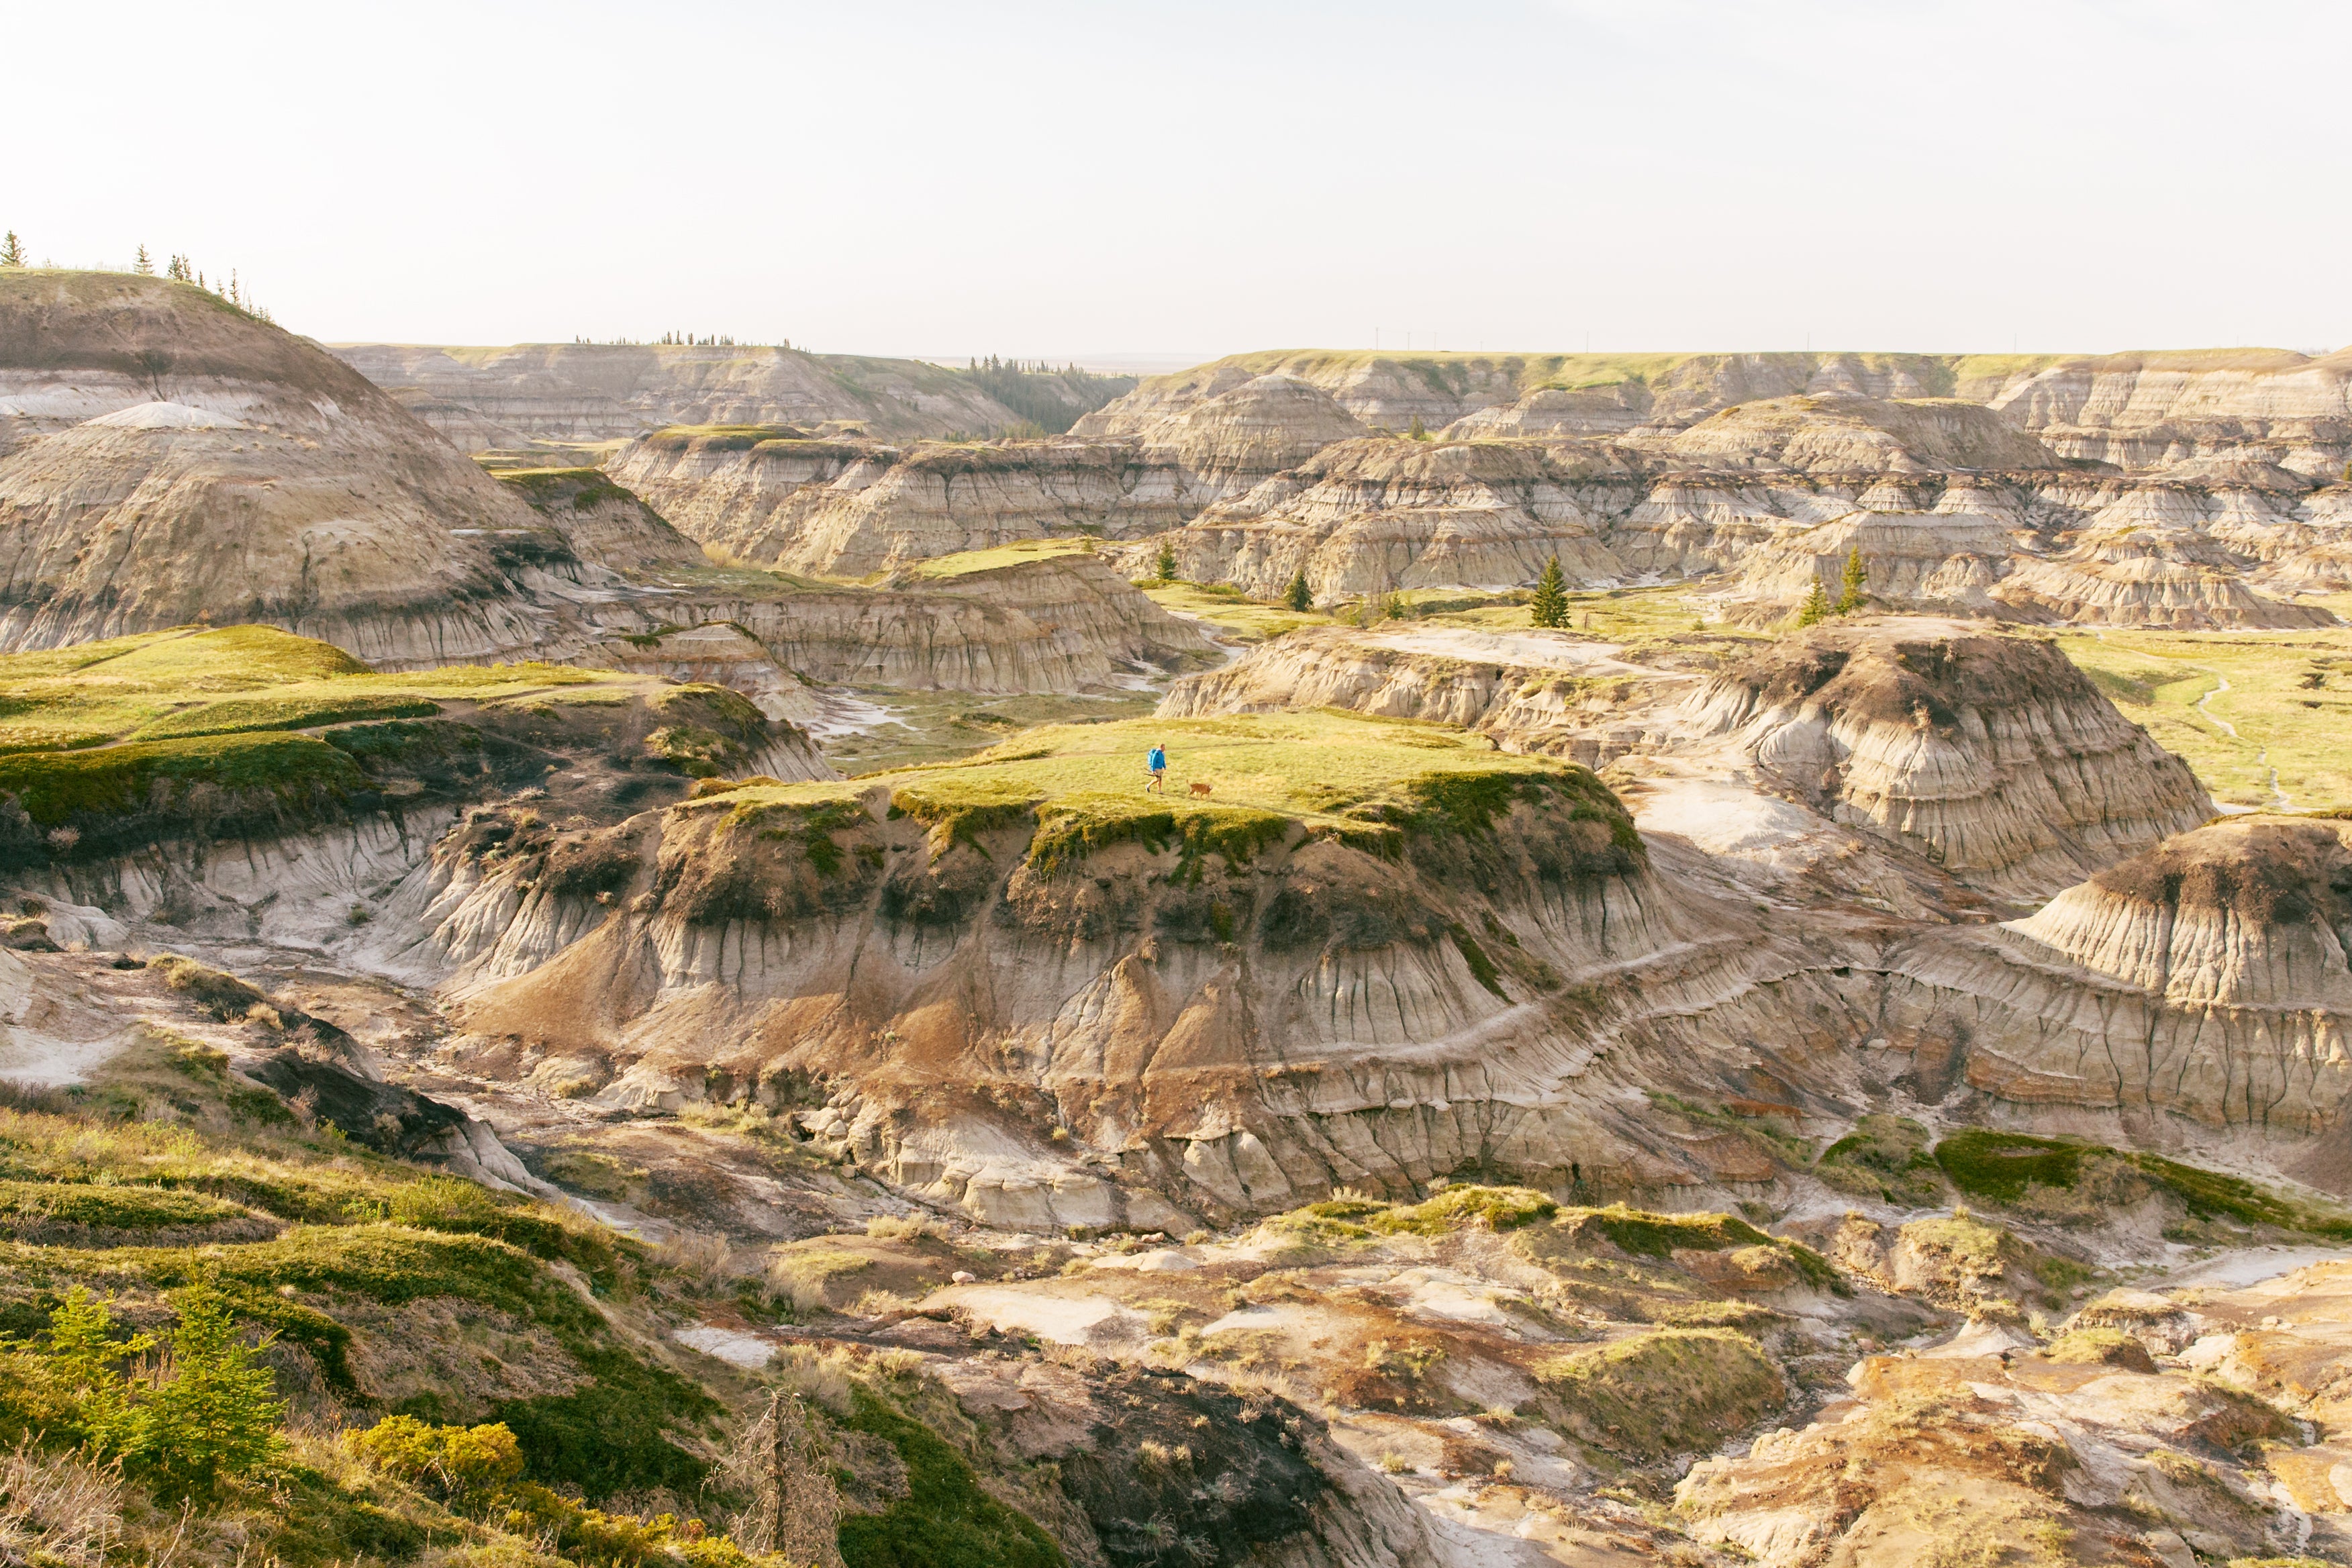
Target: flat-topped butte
(1374, 783)
(229, 729)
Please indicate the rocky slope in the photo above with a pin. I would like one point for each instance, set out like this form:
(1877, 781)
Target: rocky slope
(843, 509)
(177, 460)
(482, 397)
(1991, 758)
(1059, 624)
(1371, 516)
(1994, 757)
(2141, 412)
(1253, 476)
(2199, 986)
(602, 519)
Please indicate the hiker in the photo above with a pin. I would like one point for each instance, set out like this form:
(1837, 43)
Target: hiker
(1156, 764)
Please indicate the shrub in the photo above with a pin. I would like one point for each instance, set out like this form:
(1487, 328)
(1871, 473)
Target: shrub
(455, 1461)
(1499, 1209)
(1663, 1391)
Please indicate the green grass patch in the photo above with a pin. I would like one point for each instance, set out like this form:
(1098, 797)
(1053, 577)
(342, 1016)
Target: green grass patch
(1497, 1208)
(1666, 1391)
(55, 787)
(2000, 1167)
(1885, 1157)
(946, 1520)
(1379, 785)
(965, 562)
(2288, 696)
(24, 1205)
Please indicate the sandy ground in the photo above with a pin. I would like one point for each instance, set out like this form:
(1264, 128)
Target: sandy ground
(2236, 1270)
(729, 1345)
(1722, 819)
(1064, 1319)
(1545, 650)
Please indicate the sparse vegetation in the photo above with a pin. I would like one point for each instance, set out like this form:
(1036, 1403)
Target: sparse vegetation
(2008, 1167)
(1664, 1390)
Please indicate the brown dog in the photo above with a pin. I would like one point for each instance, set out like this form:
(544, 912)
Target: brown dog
(1200, 789)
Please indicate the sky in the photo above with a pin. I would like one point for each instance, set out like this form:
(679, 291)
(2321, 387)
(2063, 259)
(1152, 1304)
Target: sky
(1161, 183)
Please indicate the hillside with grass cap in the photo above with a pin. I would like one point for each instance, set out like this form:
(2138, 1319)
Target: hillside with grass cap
(1369, 952)
(173, 460)
(159, 746)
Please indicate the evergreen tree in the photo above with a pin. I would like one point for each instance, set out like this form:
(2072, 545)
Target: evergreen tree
(12, 250)
(1298, 595)
(1166, 565)
(142, 263)
(215, 1418)
(1396, 608)
(1855, 582)
(1816, 608)
(1549, 607)
(1418, 431)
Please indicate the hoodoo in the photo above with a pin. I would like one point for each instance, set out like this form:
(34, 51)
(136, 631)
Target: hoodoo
(1992, 757)
(2203, 980)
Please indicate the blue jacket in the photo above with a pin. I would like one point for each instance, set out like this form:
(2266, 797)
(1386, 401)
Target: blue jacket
(1158, 761)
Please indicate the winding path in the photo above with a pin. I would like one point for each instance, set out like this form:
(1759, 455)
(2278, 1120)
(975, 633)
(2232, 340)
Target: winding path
(2261, 753)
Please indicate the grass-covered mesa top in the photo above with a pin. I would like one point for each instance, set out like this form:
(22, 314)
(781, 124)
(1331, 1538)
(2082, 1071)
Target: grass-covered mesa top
(245, 727)
(1375, 784)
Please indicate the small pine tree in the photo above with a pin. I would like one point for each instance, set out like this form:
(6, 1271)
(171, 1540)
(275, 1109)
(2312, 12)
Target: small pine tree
(215, 1418)
(1396, 608)
(1816, 608)
(1298, 595)
(143, 264)
(1418, 431)
(1855, 582)
(1549, 607)
(1165, 567)
(12, 250)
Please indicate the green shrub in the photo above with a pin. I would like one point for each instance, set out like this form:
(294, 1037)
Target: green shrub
(454, 1461)
(54, 787)
(1499, 1208)
(1666, 1391)
(206, 1418)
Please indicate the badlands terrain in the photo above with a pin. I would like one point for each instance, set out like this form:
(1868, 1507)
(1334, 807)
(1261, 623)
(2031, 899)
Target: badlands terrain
(584, 938)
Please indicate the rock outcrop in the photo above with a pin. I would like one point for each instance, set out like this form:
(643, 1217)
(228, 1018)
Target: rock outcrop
(1548, 692)
(178, 460)
(1217, 1027)
(2149, 576)
(1365, 517)
(2141, 412)
(1060, 623)
(2203, 980)
(850, 508)
(1858, 435)
(602, 521)
(1990, 758)
(1994, 757)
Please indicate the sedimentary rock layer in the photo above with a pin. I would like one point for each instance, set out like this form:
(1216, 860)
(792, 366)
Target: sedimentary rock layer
(1063, 624)
(1994, 757)
(2204, 979)
(591, 391)
(178, 460)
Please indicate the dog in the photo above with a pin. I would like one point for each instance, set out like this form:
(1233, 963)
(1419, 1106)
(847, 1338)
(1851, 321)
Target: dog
(1201, 789)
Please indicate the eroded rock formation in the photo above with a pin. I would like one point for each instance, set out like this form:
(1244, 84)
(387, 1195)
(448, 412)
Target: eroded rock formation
(176, 460)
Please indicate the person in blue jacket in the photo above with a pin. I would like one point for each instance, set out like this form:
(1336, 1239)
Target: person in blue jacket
(1156, 764)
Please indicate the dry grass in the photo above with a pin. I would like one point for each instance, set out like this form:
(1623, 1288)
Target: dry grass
(57, 1510)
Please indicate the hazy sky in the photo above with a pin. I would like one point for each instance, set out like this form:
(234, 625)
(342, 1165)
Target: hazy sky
(1188, 180)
